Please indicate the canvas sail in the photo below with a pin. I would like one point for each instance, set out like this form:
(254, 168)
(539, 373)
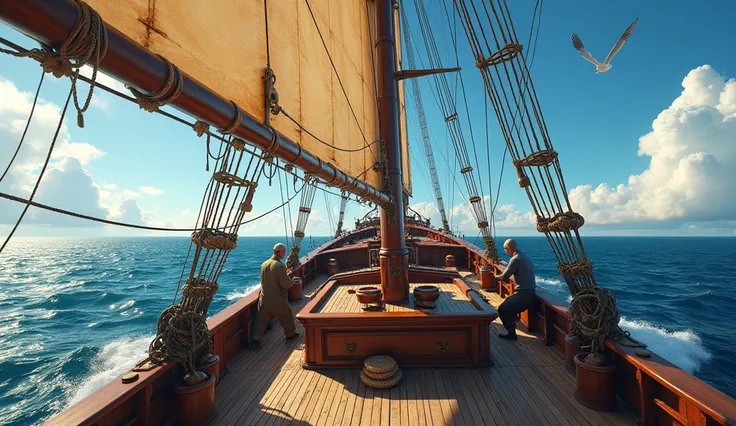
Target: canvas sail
(405, 160)
(223, 45)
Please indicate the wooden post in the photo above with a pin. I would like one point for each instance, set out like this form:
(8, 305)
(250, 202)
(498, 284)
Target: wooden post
(393, 255)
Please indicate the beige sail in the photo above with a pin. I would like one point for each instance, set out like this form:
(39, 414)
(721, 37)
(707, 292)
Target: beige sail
(405, 160)
(223, 45)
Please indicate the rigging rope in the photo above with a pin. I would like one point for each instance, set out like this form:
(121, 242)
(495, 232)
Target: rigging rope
(449, 110)
(131, 225)
(305, 207)
(593, 313)
(534, 157)
(526, 74)
(427, 143)
(182, 332)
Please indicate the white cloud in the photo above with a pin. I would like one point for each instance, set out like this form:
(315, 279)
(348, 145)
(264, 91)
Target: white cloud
(126, 210)
(692, 172)
(66, 184)
(150, 190)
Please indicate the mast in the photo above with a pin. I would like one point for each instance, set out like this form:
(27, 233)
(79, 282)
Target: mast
(393, 254)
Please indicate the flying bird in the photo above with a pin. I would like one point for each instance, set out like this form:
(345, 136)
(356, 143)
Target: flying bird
(606, 65)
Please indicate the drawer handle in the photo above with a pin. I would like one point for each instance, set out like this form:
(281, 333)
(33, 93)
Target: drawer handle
(443, 346)
(351, 346)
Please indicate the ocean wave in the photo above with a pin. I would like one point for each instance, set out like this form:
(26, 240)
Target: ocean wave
(685, 349)
(238, 294)
(112, 360)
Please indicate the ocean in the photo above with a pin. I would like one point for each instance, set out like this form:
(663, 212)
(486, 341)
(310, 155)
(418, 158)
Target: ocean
(76, 313)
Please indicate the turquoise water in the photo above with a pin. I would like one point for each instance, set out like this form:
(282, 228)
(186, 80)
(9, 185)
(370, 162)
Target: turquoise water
(76, 313)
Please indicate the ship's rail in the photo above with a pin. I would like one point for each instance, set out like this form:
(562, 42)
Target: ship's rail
(150, 399)
(658, 391)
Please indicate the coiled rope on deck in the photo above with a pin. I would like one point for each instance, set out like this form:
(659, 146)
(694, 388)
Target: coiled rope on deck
(594, 317)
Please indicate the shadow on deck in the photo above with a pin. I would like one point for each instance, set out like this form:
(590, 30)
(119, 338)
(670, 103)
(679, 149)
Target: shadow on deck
(528, 385)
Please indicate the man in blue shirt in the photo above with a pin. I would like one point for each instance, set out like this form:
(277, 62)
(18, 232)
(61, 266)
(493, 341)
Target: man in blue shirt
(522, 268)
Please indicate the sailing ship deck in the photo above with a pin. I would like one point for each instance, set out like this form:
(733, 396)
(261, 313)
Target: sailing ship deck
(528, 385)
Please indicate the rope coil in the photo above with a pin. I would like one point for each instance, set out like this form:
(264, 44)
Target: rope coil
(164, 95)
(561, 222)
(213, 239)
(87, 39)
(594, 317)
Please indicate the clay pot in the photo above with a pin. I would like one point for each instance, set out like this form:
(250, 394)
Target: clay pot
(195, 404)
(426, 293)
(368, 295)
(596, 386)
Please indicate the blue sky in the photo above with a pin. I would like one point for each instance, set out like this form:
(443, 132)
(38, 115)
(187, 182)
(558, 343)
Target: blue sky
(595, 123)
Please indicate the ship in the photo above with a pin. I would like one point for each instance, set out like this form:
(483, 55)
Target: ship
(397, 319)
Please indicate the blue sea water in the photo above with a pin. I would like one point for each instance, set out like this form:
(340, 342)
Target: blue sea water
(76, 313)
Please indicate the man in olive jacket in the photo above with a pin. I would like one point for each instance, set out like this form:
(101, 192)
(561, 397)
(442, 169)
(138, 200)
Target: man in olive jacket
(273, 302)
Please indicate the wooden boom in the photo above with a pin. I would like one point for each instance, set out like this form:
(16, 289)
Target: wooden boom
(50, 21)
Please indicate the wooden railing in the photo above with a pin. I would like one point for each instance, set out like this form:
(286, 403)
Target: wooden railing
(658, 390)
(653, 387)
(150, 399)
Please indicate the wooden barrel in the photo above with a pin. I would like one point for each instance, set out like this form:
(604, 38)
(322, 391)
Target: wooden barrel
(332, 267)
(596, 388)
(212, 367)
(295, 292)
(195, 404)
(572, 348)
(449, 261)
(487, 280)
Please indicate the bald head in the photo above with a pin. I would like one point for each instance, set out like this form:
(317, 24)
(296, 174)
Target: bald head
(509, 246)
(279, 250)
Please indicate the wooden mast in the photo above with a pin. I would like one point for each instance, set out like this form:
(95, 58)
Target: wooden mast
(50, 22)
(393, 254)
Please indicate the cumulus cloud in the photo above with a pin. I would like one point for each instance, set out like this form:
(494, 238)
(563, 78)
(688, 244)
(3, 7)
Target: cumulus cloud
(150, 190)
(126, 210)
(692, 170)
(66, 184)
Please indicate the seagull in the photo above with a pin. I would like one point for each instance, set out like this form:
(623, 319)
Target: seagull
(606, 65)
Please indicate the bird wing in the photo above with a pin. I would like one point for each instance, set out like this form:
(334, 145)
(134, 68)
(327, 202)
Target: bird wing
(578, 44)
(620, 43)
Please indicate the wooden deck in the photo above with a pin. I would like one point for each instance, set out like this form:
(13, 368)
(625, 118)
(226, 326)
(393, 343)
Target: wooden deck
(450, 300)
(528, 385)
